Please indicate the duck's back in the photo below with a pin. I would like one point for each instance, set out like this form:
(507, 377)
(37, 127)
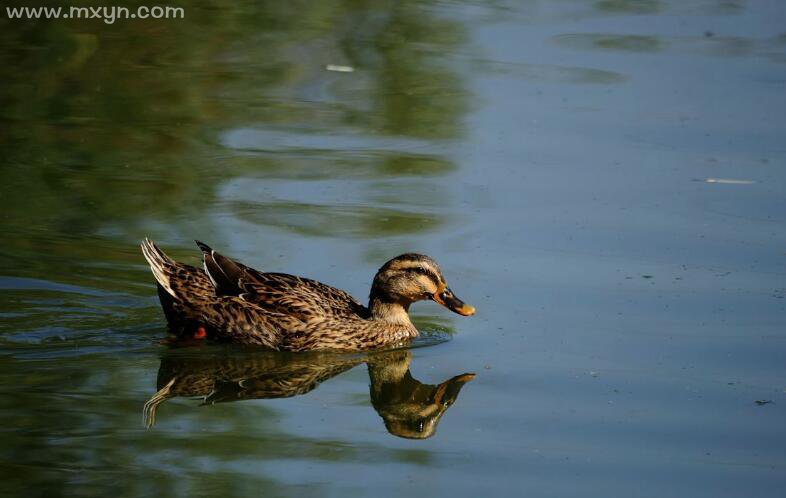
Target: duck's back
(242, 304)
(303, 297)
(279, 293)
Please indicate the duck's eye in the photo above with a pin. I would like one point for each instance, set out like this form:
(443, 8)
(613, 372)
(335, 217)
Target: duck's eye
(420, 269)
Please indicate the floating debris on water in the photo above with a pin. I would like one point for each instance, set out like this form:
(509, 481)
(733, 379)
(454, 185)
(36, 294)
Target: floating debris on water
(729, 181)
(762, 402)
(340, 69)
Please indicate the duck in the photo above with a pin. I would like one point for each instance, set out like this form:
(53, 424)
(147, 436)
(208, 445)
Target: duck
(227, 301)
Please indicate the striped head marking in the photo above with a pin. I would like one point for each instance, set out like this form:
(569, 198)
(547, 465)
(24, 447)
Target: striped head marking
(416, 277)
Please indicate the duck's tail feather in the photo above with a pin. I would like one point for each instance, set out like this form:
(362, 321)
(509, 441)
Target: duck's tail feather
(223, 272)
(160, 264)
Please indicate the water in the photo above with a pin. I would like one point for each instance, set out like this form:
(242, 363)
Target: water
(603, 180)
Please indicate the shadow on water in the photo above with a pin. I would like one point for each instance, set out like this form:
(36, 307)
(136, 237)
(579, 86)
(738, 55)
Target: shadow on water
(408, 407)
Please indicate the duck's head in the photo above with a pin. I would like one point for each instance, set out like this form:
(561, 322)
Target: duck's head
(415, 277)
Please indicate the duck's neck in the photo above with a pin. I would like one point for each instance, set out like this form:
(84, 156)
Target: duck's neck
(389, 311)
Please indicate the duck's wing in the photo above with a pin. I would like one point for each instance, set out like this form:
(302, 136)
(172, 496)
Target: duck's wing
(224, 273)
(296, 296)
(279, 293)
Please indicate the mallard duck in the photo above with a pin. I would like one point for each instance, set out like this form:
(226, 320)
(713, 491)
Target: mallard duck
(231, 302)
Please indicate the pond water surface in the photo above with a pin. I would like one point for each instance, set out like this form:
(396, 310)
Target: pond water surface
(605, 181)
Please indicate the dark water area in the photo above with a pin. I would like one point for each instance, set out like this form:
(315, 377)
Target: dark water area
(605, 181)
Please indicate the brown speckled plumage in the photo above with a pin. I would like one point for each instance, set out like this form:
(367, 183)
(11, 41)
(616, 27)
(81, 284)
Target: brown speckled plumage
(236, 303)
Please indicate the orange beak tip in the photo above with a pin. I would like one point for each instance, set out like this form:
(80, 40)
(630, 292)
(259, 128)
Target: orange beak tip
(453, 304)
(467, 310)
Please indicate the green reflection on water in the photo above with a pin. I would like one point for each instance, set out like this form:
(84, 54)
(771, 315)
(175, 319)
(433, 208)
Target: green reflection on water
(331, 166)
(709, 44)
(112, 132)
(631, 6)
(336, 220)
(109, 126)
(89, 434)
(552, 73)
(631, 43)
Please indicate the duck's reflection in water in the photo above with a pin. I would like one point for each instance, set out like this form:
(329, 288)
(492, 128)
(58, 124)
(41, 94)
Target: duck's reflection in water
(408, 407)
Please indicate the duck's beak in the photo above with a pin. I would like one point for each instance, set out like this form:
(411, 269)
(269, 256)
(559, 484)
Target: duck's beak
(447, 299)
